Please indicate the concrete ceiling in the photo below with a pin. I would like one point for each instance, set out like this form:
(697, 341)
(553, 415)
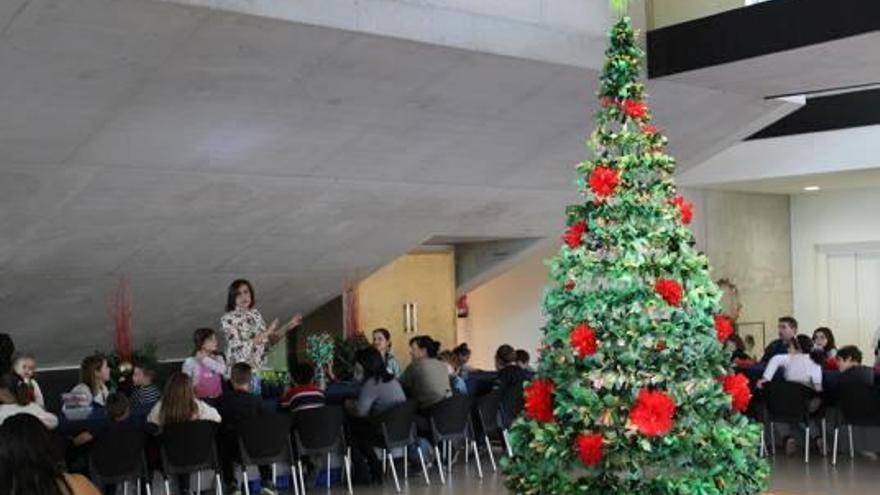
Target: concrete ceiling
(185, 147)
(833, 181)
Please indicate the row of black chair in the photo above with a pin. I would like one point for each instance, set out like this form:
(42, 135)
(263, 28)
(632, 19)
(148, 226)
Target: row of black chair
(188, 448)
(787, 402)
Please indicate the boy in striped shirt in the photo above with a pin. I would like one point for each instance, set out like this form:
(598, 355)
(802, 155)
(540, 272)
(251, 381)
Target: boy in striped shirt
(303, 393)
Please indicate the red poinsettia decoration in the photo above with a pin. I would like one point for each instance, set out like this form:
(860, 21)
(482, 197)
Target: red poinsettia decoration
(635, 109)
(539, 400)
(569, 285)
(589, 448)
(737, 385)
(723, 328)
(583, 340)
(669, 290)
(603, 181)
(831, 364)
(653, 413)
(685, 209)
(649, 129)
(607, 102)
(574, 235)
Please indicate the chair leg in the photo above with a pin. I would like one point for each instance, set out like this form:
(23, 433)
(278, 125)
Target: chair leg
(807, 445)
(247, 482)
(824, 440)
(852, 448)
(167, 486)
(449, 452)
(834, 452)
(467, 452)
(384, 462)
(125, 487)
(218, 483)
(772, 440)
(347, 461)
(293, 481)
(477, 459)
(328, 471)
(390, 459)
(302, 478)
(491, 455)
(762, 450)
(405, 463)
(148, 483)
(424, 466)
(274, 475)
(440, 465)
(199, 482)
(506, 436)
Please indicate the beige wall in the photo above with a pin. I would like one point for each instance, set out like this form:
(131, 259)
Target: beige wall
(427, 279)
(663, 13)
(747, 239)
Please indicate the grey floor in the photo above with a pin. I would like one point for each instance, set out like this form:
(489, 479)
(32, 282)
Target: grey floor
(789, 476)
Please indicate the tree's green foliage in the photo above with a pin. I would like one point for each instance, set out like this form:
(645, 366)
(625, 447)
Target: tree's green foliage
(634, 237)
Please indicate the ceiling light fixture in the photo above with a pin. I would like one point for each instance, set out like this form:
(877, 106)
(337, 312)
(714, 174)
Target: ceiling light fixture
(812, 188)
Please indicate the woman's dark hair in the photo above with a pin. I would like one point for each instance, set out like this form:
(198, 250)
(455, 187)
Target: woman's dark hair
(90, 365)
(506, 355)
(28, 460)
(829, 336)
(7, 349)
(200, 336)
(522, 356)
(17, 388)
(463, 352)
(373, 365)
(385, 333)
(803, 343)
(233, 293)
(117, 406)
(431, 346)
(737, 342)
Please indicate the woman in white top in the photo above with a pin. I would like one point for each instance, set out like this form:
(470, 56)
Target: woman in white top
(247, 336)
(179, 404)
(15, 398)
(94, 375)
(799, 365)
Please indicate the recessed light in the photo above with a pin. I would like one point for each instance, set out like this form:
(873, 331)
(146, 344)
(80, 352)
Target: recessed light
(812, 188)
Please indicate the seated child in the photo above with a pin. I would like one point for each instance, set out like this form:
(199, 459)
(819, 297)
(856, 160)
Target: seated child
(15, 398)
(24, 365)
(303, 393)
(118, 412)
(236, 405)
(146, 393)
(205, 367)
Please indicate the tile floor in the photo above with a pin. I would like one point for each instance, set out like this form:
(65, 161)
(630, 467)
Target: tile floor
(789, 476)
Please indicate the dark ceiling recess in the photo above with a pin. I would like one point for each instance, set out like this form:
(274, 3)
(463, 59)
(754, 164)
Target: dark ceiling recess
(826, 113)
(761, 29)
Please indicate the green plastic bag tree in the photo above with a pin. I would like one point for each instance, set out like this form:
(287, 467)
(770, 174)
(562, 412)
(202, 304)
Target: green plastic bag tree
(634, 391)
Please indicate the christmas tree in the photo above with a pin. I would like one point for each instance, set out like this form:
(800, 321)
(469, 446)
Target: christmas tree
(634, 392)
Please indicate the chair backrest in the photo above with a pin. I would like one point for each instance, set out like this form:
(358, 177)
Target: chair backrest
(398, 424)
(512, 403)
(787, 401)
(188, 447)
(264, 439)
(449, 418)
(489, 411)
(318, 430)
(117, 455)
(860, 404)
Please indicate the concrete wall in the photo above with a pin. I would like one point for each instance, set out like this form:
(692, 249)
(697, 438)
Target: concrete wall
(662, 13)
(745, 235)
(426, 279)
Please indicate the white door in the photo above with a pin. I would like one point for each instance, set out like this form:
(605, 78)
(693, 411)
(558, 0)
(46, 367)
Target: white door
(851, 297)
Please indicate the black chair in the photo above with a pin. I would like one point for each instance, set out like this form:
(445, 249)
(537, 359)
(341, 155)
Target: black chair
(859, 406)
(188, 448)
(320, 431)
(119, 458)
(265, 440)
(398, 429)
(450, 422)
(487, 415)
(787, 402)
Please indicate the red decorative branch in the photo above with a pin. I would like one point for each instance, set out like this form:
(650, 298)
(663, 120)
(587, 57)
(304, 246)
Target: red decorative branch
(120, 315)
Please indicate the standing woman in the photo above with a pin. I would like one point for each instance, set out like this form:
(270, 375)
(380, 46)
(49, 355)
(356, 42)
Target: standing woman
(382, 343)
(247, 336)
